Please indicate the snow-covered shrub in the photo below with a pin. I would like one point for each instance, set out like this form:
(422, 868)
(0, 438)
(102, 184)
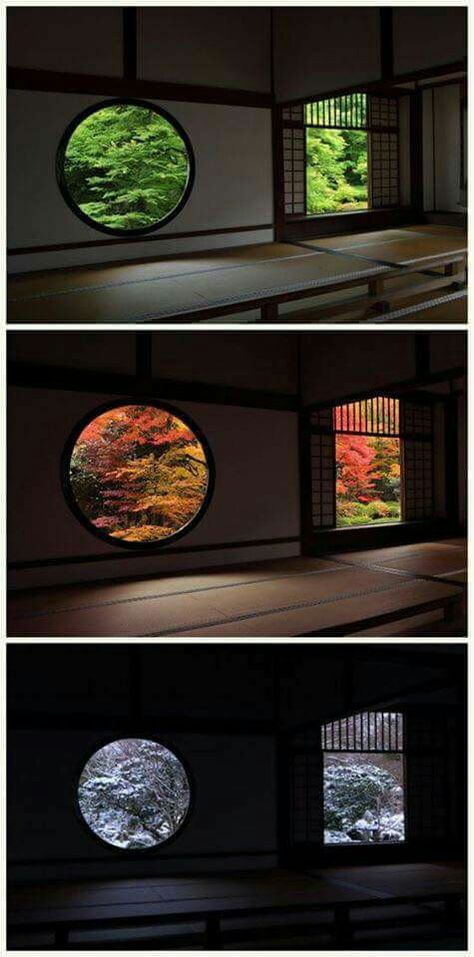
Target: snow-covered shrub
(134, 793)
(363, 802)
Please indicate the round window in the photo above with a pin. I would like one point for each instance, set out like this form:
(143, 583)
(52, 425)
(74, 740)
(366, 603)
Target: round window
(134, 793)
(125, 167)
(138, 475)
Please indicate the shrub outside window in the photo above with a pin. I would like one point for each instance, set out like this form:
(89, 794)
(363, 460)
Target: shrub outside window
(364, 779)
(340, 155)
(125, 167)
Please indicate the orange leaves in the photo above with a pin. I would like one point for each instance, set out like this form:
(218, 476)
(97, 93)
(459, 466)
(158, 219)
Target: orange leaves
(139, 473)
(363, 463)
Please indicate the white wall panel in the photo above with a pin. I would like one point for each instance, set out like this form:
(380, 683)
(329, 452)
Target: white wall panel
(442, 148)
(336, 365)
(447, 140)
(425, 37)
(256, 492)
(91, 351)
(233, 185)
(206, 46)
(66, 39)
(320, 49)
(234, 809)
(447, 350)
(253, 360)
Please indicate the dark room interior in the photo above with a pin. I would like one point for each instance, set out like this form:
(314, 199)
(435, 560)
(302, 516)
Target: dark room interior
(312, 163)
(290, 834)
(298, 484)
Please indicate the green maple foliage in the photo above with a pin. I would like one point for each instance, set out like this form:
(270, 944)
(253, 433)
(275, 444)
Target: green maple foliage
(126, 166)
(336, 170)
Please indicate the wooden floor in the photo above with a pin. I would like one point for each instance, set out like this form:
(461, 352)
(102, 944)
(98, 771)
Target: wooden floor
(204, 285)
(348, 593)
(64, 910)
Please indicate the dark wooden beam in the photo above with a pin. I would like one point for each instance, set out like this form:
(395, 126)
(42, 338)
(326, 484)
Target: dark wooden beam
(394, 388)
(143, 357)
(137, 724)
(135, 684)
(386, 42)
(451, 457)
(32, 375)
(416, 154)
(50, 81)
(130, 52)
(385, 88)
(422, 356)
(278, 173)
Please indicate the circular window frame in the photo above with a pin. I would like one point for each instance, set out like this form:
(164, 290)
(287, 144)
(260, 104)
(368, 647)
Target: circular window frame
(145, 547)
(62, 180)
(132, 852)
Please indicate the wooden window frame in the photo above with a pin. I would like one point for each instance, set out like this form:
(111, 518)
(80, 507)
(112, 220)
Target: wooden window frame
(298, 118)
(411, 422)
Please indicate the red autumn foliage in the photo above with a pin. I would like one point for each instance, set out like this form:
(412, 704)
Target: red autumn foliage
(138, 472)
(355, 473)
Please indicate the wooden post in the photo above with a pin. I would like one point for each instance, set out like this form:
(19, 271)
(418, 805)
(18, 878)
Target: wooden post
(452, 269)
(213, 933)
(269, 312)
(376, 286)
(452, 906)
(449, 611)
(61, 938)
(342, 925)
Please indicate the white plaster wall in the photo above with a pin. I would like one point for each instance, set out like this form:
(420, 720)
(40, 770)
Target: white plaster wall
(233, 185)
(321, 49)
(209, 46)
(442, 148)
(447, 144)
(256, 490)
(345, 363)
(69, 39)
(425, 36)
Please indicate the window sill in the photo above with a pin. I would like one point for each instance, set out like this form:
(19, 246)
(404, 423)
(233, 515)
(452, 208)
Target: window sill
(353, 213)
(414, 523)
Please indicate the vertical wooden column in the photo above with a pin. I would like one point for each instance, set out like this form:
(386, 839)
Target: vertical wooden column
(129, 28)
(416, 153)
(304, 443)
(213, 933)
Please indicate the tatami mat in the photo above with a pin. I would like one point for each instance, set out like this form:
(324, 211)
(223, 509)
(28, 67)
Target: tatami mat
(67, 281)
(282, 597)
(434, 559)
(393, 597)
(171, 287)
(394, 880)
(400, 247)
(321, 886)
(172, 291)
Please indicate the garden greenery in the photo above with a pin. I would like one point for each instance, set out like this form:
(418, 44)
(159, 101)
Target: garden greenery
(336, 170)
(126, 167)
